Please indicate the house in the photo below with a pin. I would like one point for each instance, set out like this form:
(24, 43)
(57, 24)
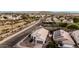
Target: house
(75, 35)
(35, 40)
(63, 38)
(40, 36)
(68, 21)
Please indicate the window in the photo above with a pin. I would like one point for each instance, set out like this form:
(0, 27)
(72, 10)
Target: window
(41, 42)
(45, 41)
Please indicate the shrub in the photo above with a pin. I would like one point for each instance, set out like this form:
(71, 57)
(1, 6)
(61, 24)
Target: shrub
(5, 30)
(73, 26)
(76, 19)
(51, 45)
(63, 24)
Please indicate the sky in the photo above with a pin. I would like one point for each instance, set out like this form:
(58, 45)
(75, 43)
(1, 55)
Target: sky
(39, 5)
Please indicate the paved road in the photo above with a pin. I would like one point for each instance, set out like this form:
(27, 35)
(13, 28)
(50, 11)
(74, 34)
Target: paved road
(11, 42)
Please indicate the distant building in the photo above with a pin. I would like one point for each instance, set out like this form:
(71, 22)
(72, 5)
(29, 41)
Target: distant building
(42, 15)
(10, 17)
(71, 21)
(49, 19)
(62, 18)
(56, 19)
(67, 21)
(63, 38)
(34, 15)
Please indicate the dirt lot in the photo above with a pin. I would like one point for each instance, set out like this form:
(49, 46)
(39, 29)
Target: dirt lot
(9, 28)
